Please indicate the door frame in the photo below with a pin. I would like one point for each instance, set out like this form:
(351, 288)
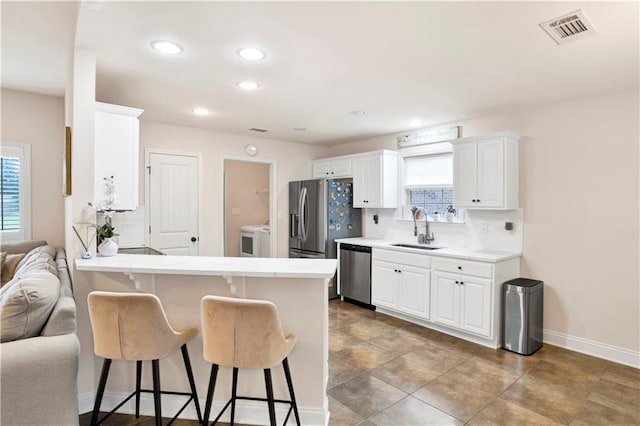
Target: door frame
(273, 196)
(147, 194)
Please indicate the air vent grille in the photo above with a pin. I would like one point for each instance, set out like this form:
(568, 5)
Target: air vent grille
(255, 129)
(570, 27)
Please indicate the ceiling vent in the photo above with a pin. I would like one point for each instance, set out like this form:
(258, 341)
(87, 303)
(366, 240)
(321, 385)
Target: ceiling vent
(255, 129)
(570, 27)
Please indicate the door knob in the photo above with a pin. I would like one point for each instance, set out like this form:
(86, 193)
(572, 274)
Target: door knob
(193, 239)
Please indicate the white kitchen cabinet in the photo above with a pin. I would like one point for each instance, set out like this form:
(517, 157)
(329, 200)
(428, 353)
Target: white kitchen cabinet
(375, 180)
(332, 168)
(401, 282)
(116, 153)
(485, 172)
(462, 301)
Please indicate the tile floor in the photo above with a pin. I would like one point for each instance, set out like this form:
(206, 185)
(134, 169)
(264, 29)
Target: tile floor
(385, 371)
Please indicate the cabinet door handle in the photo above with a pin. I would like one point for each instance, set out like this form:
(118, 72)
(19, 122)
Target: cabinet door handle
(460, 268)
(478, 201)
(457, 282)
(462, 282)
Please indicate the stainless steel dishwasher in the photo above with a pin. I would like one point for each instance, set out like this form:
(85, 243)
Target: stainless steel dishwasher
(355, 273)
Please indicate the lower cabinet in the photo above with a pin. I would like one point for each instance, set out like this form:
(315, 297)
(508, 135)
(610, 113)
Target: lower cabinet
(462, 301)
(404, 287)
(456, 296)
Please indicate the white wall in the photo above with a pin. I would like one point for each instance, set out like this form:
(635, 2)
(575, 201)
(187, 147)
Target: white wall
(39, 120)
(293, 162)
(579, 190)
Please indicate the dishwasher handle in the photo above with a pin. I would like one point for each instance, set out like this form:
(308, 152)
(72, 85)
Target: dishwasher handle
(353, 247)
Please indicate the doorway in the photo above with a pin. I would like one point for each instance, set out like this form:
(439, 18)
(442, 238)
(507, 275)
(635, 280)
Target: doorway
(249, 202)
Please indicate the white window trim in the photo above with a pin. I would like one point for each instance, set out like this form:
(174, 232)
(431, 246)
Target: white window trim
(25, 190)
(417, 151)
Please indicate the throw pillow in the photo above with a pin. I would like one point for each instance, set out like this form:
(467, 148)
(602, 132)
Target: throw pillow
(9, 267)
(3, 257)
(26, 303)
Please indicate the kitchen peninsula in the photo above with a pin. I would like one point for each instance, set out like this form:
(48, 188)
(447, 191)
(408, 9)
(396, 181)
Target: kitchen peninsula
(298, 287)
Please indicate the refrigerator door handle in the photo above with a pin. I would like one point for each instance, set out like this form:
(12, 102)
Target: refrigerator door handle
(304, 206)
(294, 225)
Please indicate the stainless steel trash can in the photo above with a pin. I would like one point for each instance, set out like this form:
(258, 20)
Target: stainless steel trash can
(522, 315)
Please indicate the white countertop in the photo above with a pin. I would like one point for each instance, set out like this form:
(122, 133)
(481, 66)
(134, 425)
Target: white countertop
(205, 265)
(490, 256)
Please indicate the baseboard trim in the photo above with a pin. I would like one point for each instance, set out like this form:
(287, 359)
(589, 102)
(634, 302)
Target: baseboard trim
(590, 347)
(247, 412)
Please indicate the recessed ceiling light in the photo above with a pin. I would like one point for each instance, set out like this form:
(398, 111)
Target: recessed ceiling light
(357, 112)
(166, 47)
(251, 54)
(248, 85)
(415, 123)
(200, 111)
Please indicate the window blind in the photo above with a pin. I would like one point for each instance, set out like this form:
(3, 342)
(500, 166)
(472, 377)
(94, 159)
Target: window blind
(428, 171)
(10, 189)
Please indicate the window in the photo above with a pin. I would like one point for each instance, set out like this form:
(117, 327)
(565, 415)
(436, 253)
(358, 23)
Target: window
(428, 180)
(15, 187)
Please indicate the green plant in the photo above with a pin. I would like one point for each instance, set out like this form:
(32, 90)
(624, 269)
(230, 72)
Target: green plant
(450, 209)
(106, 231)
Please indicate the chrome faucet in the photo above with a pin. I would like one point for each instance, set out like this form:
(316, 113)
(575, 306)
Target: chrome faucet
(427, 237)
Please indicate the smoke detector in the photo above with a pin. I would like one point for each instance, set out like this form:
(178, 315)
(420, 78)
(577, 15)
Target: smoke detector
(570, 27)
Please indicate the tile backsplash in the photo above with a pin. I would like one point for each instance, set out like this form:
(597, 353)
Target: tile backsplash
(129, 226)
(482, 229)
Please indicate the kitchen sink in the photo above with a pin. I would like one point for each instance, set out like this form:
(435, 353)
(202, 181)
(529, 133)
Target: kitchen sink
(416, 246)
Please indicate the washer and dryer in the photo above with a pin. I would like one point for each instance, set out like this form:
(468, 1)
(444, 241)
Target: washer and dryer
(255, 241)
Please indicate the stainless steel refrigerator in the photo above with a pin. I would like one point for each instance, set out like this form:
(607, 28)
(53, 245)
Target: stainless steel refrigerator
(320, 211)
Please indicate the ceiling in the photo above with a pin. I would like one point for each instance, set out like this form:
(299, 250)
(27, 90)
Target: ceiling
(397, 61)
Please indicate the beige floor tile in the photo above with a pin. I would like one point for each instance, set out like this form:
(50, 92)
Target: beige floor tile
(398, 342)
(623, 374)
(341, 415)
(594, 414)
(509, 361)
(405, 375)
(364, 355)
(341, 371)
(366, 395)
(622, 398)
(476, 374)
(581, 382)
(367, 329)
(411, 411)
(454, 397)
(339, 341)
(585, 363)
(436, 357)
(558, 403)
(340, 319)
(500, 412)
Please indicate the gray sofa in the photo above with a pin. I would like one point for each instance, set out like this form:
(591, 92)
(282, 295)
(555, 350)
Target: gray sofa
(38, 382)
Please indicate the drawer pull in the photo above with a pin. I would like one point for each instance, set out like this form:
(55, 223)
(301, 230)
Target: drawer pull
(460, 268)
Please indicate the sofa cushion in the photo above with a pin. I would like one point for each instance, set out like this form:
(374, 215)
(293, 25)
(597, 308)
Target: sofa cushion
(22, 247)
(9, 267)
(36, 262)
(25, 304)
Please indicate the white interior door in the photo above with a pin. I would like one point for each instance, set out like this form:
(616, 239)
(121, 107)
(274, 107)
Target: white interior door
(173, 203)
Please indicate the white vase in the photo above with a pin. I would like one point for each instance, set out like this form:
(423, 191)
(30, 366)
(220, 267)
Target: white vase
(108, 247)
(448, 217)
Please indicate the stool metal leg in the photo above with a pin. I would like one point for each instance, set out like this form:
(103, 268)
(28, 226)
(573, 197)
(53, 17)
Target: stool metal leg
(155, 365)
(287, 374)
(212, 386)
(234, 387)
(101, 385)
(138, 382)
(192, 383)
(272, 408)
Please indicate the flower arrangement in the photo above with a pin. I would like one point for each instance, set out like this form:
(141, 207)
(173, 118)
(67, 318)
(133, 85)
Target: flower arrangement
(107, 206)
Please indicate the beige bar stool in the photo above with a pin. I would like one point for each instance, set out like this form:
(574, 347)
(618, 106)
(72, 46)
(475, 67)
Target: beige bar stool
(242, 333)
(134, 327)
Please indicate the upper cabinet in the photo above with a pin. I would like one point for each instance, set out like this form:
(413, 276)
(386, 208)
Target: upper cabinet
(116, 153)
(375, 180)
(332, 168)
(485, 172)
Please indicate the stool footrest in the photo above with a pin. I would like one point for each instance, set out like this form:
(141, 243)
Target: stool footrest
(151, 391)
(250, 398)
